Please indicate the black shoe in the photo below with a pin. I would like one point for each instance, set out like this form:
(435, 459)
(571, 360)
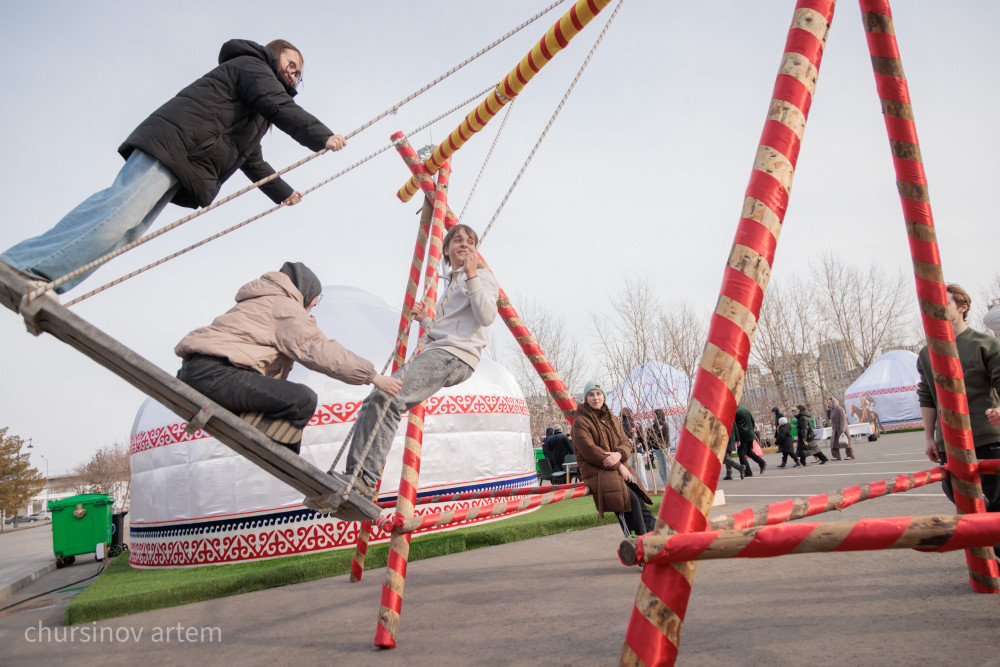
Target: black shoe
(780, 465)
(763, 467)
(729, 477)
(741, 472)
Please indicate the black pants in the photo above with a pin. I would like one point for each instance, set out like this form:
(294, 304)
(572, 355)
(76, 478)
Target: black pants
(639, 519)
(240, 390)
(784, 458)
(746, 452)
(990, 483)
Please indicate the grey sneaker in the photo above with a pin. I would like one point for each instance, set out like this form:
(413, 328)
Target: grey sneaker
(369, 492)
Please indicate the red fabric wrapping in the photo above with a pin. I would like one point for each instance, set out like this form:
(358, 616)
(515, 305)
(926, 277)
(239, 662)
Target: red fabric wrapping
(822, 7)
(932, 291)
(744, 518)
(892, 88)
(817, 504)
(756, 236)
(679, 514)
(918, 212)
(789, 89)
(909, 171)
(647, 641)
(744, 289)
(876, 7)
(777, 540)
(879, 487)
(902, 484)
(730, 337)
(851, 496)
(948, 366)
(779, 512)
(935, 328)
(698, 459)
(882, 45)
(924, 251)
(781, 138)
(983, 528)
(874, 534)
(805, 43)
(769, 191)
(901, 129)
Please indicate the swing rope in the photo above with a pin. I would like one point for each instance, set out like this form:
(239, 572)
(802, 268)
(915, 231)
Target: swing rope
(34, 294)
(454, 283)
(270, 210)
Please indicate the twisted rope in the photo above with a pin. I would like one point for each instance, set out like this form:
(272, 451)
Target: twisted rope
(106, 258)
(248, 220)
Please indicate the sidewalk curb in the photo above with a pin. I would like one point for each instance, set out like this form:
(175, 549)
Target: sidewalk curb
(7, 590)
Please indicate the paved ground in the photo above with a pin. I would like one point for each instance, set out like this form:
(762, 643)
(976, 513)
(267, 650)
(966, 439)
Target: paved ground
(564, 600)
(25, 555)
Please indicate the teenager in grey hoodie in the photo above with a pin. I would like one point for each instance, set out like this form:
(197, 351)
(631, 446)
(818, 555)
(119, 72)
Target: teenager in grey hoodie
(454, 347)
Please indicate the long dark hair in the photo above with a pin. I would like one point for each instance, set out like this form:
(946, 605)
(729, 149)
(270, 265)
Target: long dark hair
(279, 45)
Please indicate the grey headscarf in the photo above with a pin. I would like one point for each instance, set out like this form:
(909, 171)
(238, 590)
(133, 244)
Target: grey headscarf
(304, 280)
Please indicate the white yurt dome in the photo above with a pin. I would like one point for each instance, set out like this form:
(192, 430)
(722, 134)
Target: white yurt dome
(887, 388)
(196, 502)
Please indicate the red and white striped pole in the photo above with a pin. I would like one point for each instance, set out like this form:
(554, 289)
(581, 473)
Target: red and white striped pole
(654, 630)
(911, 181)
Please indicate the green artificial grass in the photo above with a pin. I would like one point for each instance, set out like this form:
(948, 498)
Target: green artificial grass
(123, 590)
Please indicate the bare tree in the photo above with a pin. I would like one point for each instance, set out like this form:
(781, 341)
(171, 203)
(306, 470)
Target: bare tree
(868, 309)
(107, 471)
(562, 351)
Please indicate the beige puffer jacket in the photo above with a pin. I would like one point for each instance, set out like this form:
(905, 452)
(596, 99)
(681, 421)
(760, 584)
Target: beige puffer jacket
(268, 330)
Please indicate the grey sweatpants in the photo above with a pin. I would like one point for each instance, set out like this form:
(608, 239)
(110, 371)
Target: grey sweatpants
(427, 373)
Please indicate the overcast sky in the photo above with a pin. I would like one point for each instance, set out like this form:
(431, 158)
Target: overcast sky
(641, 177)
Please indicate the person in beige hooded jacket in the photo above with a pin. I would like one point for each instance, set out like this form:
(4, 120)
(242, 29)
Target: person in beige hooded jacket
(242, 359)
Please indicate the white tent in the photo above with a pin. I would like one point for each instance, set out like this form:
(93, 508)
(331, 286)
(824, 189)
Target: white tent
(196, 502)
(886, 393)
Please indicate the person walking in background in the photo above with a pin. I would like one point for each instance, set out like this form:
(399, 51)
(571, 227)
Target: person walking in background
(838, 422)
(659, 441)
(806, 437)
(786, 445)
(743, 426)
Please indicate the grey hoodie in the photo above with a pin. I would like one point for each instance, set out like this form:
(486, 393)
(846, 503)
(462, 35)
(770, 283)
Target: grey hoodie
(461, 327)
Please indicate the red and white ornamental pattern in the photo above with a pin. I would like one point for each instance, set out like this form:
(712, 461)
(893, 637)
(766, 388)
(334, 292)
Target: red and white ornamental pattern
(342, 413)
(264, 537)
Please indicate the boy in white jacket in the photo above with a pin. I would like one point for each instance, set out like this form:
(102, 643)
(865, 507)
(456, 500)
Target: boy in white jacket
(454, 347)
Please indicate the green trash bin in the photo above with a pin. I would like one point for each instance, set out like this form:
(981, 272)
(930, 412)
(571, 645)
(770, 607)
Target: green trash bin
(79, 524)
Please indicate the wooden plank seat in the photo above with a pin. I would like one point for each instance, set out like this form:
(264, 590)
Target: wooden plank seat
(323, 491)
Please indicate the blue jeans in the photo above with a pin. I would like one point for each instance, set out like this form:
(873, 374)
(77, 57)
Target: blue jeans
(661, 462)
(105, 222)
(427, 374)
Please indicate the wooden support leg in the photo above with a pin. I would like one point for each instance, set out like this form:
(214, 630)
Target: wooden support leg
(399, 546)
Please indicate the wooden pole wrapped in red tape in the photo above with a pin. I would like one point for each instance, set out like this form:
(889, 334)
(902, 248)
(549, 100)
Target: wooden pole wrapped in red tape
(496, 493)
(911, 181)
(937, 533)
(653, 635)
(399, 545)
(556, 39)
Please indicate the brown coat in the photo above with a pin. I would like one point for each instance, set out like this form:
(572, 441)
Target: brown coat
(268, 330)
(597, 433)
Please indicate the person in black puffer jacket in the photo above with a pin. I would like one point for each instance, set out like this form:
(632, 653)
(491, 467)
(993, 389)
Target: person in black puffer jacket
(183, 153)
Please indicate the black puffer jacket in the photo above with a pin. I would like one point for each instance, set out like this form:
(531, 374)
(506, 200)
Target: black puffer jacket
(214, 126)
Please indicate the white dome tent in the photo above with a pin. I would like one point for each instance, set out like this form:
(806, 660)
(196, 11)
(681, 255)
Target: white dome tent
(886, 393)
(196, 502)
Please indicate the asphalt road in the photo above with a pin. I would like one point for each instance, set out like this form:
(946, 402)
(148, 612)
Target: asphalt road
(565, 600)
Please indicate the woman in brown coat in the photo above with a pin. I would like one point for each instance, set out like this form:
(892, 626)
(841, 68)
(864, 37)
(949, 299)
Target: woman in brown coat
(602, 453)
